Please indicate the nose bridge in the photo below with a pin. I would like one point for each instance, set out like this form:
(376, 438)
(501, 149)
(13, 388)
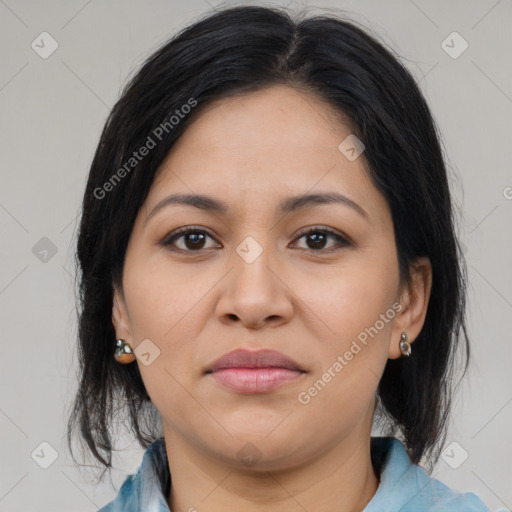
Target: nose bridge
(253, 263)
(254, 292)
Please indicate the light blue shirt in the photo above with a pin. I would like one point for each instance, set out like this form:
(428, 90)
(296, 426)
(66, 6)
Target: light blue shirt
(404, 486)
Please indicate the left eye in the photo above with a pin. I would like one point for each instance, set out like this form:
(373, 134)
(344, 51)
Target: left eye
(313, 236)
(194, 239)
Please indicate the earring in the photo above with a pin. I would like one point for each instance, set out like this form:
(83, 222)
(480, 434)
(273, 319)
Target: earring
(405, 346)
(123, 353)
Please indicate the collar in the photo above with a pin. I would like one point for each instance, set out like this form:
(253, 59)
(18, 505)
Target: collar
(404, 486)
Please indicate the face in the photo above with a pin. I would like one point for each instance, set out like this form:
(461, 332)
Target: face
(317, 281)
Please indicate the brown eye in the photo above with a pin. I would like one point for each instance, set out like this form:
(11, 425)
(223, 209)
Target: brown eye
(316, 239)
(192, 240)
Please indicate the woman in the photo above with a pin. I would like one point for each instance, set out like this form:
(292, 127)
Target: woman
(268, 269)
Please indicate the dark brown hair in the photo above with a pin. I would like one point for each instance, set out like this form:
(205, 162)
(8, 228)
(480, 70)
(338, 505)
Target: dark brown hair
(236, 51)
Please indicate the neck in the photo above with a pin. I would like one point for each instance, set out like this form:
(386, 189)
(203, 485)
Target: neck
(341, 479)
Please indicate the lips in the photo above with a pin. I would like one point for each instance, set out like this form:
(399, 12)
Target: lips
(265, 358)
(255, 372)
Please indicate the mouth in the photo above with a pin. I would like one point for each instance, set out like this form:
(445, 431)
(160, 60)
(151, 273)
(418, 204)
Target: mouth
(260, 371)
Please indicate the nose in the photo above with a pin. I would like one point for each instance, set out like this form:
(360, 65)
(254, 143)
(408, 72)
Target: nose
(255, 294)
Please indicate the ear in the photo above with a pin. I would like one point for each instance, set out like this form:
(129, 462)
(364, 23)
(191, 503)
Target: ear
(413, 298)
(120, 316)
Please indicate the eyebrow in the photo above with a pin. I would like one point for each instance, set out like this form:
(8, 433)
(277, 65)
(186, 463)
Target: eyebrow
(287, 205)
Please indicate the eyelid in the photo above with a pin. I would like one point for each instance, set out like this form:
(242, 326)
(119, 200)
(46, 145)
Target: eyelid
(330, 231)
(176, 234)
(342, 239)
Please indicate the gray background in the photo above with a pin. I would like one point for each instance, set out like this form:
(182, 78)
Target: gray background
(52, 111)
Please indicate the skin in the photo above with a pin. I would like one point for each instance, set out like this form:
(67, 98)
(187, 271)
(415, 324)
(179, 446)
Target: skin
(304, 299)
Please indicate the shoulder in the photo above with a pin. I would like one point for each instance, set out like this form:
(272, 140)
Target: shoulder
(125, 495)
(146, 489)
(407, 487)
(433, 495)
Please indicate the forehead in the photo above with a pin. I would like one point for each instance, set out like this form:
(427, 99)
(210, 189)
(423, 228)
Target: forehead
(279, 119)
(263, 145)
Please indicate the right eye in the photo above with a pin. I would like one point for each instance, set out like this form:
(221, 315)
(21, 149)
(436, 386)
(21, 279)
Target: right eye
(193, 240)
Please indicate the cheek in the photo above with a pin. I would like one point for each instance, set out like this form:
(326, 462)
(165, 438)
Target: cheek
(163, 305)
(161, 299)
(350, 298)
(353, 349)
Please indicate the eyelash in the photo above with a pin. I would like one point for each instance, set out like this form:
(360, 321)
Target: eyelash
(180, 233)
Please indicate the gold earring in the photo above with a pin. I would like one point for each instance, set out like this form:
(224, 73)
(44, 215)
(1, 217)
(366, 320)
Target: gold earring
(405, 346)
(123, 353)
